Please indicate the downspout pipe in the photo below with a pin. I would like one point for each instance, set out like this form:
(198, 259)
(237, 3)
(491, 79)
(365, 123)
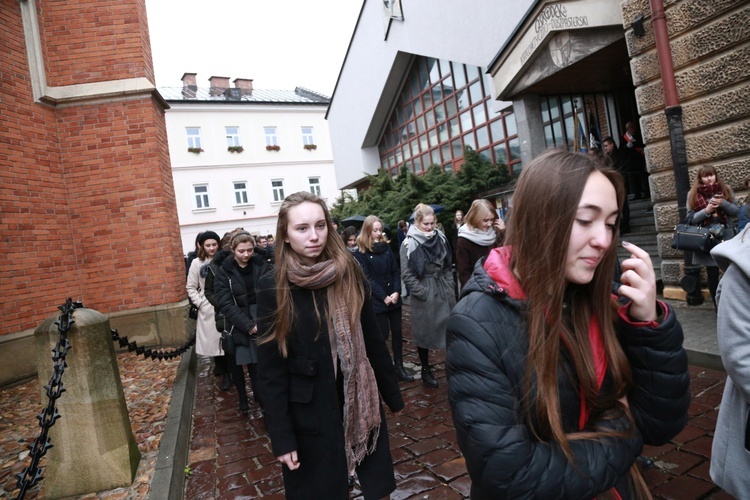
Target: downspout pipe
(673, 111)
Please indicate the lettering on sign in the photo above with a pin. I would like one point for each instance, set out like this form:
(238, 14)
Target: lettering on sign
(552, 18)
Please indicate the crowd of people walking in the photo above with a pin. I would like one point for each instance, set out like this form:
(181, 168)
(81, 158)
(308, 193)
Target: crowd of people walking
(549, 373)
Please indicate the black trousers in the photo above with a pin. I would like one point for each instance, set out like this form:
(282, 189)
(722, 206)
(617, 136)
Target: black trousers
(390, 321)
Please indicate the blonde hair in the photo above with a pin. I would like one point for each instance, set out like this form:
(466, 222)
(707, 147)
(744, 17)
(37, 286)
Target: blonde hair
(421, 211)
(364, 240)
(478, 211)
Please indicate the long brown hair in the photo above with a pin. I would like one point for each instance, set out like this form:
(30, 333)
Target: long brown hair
(704, 171)
(349, 282)
(545, 202)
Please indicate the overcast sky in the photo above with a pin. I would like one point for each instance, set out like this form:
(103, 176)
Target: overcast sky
(280, 44)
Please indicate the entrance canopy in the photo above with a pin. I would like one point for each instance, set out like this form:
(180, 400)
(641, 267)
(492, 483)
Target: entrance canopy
(555, 36)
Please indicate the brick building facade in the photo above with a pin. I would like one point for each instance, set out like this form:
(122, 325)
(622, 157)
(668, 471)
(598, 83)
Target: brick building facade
(87, 207)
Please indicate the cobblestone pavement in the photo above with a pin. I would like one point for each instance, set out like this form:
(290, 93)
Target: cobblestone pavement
(230, 453)
(148, 390)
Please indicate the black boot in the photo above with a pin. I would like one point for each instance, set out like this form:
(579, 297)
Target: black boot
(402, 374)
(427, 378)
(226, 383)
(244, 406)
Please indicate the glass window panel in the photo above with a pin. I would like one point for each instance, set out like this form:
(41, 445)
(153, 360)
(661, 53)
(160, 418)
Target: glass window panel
(427, 98)
(423, 146)
(459, 77)
(445, 149)
(496, 128)
(415, 85)
(439, 112)
(557, 130)
(472, 72)
(567, 106)
(433, 137)
(411, 129)
(463, 99)
(409, 111)
(445, 67)
(487, 154)
(480, 116)
(420, 125)
(418, 109)
(554, 111)
(548, 140)
(483, 137)
(400, 114)
(430, 117)
(435, 153)
(383, 162)
(515, 149)
(433, 66)
(569, 129)
(408, 165)
(407, 152)
(415, 147)
(453, 127)
(458, 148)
(466, 121)
(510, 124)
(517, 167)
(448, 167)
(469, 141)
(448, 87)
(425, 161)
(501, 153)
(424, 82)
(437, 92)
(545, 109)
(391, 160)
(417, 164)
(399, 157)
(450, 107)
(406, 93)
(476, 92)
(443, 132)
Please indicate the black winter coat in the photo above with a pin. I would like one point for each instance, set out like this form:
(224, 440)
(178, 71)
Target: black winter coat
(485, 365)
(383, 273)
(213, 270)
(230, 293)
(303, 399)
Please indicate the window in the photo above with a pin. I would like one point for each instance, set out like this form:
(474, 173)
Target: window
(201, 196)
(315, 185)
(240, 193)
(307, 136)
(278, 189)
(233, 136)
(193, 137)
(270, 136)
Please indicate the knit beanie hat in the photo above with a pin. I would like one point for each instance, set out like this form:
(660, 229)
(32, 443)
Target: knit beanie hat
(208, 235)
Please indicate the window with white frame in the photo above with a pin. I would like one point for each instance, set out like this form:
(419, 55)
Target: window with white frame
(270, 136)
(277, 185)
(240, 193)
(233, 136)
(201, 196)
(307, 136)
(315, 185)
(193, 137)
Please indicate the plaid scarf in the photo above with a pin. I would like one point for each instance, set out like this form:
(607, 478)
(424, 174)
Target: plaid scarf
(705, 193)
(361, 398)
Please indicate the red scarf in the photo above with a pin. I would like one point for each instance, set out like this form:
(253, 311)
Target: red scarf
(705, 193)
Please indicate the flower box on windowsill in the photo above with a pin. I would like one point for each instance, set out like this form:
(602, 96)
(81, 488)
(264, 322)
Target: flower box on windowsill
(235, 149)
(195, 150)
(274, 147)
(310, 147)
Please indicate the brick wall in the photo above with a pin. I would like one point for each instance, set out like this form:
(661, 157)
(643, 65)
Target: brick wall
(87, 206)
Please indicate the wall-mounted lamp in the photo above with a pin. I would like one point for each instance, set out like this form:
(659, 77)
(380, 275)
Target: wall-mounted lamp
(638, 29)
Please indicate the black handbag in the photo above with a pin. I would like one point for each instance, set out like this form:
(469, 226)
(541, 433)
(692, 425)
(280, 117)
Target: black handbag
(694, 238)
(227, 343)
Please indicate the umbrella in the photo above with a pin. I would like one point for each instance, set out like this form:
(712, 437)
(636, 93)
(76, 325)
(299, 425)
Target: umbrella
(435, 208)
(353, 221)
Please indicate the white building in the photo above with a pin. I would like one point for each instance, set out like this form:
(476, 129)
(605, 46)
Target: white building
(237, 152)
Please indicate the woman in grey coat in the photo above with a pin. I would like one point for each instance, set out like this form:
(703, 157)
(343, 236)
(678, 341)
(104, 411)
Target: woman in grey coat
(426, 272)
(730, 453)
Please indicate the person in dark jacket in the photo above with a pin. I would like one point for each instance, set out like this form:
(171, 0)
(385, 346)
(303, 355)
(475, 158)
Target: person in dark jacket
(323, 363)
(553, 388)
(482, 231)
(381, 270)
(235, 287)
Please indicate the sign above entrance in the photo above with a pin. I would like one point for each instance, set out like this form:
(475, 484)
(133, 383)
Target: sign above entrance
(547, 27)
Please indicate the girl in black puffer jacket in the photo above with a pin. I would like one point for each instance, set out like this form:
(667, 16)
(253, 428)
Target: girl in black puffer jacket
(234, 287)
(553, 388)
